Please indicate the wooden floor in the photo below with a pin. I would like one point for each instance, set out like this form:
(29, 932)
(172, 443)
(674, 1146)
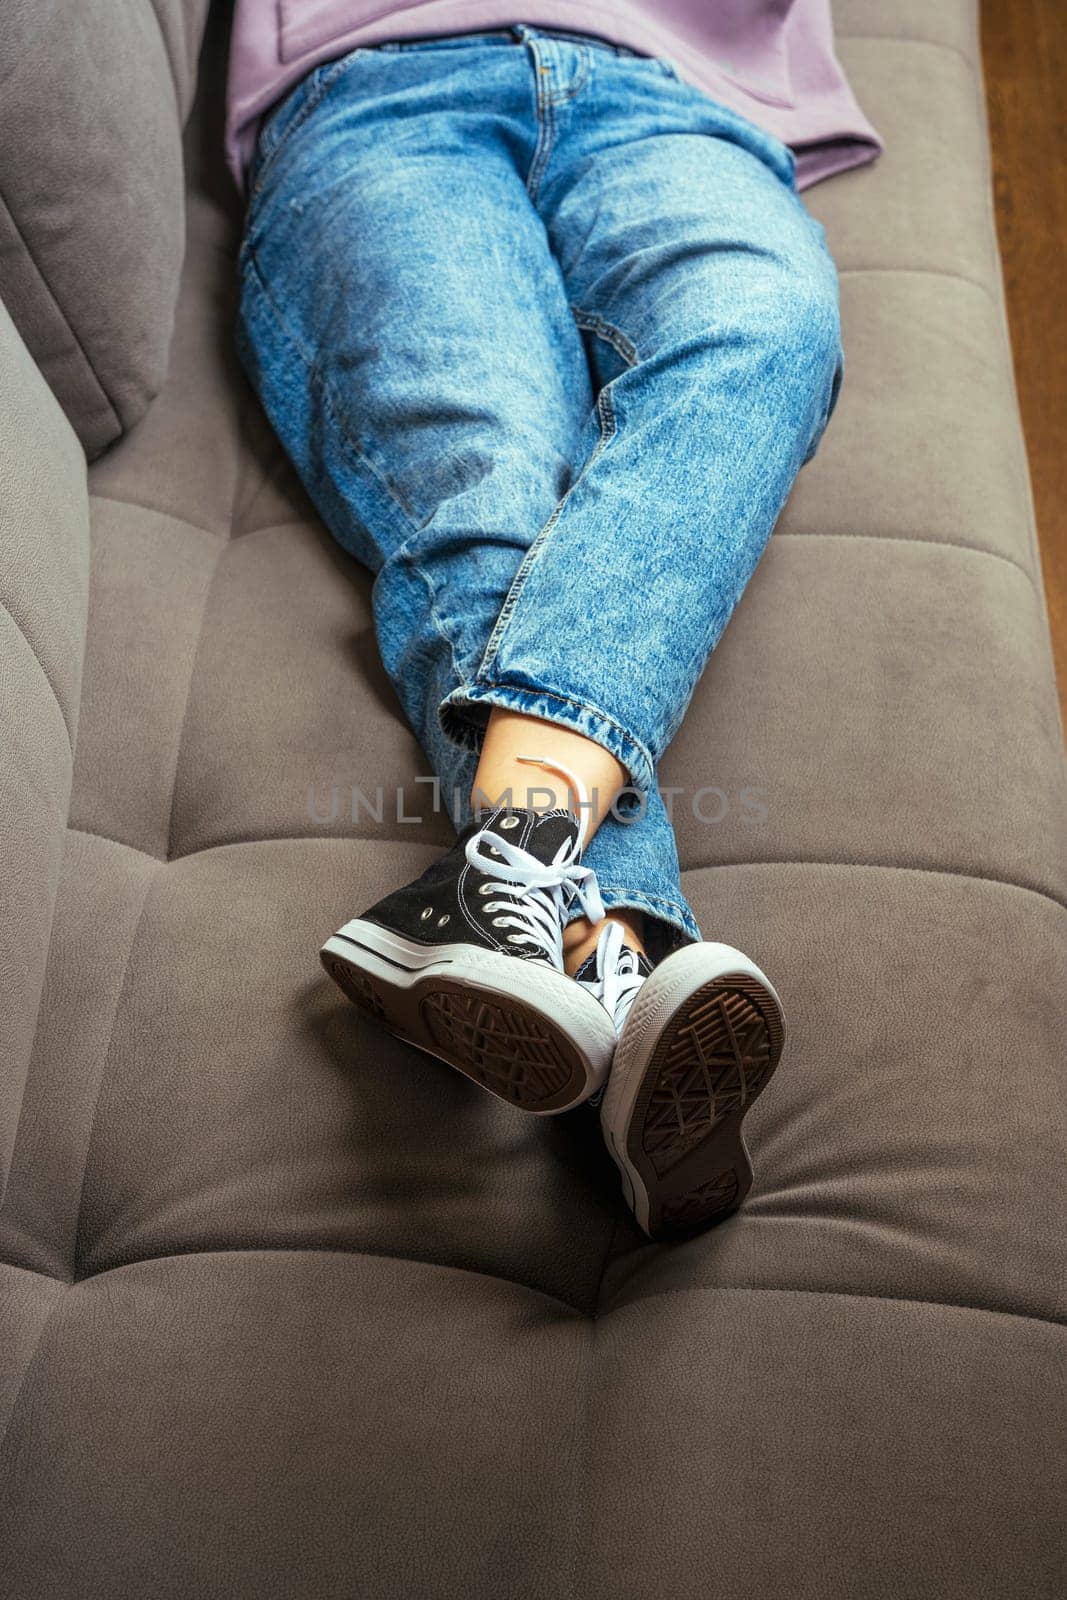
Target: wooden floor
(1024, 46)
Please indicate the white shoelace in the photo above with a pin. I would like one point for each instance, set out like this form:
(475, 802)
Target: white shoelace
(537, 894)
(617, 976)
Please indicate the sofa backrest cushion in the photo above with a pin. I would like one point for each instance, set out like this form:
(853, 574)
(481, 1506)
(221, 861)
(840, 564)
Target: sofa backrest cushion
(93, 97)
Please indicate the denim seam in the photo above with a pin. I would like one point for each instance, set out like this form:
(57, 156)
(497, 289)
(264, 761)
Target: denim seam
(358, 457)
(438, 621)
(566, 700)
(672, 911)
(323, 389)
(640, 894)
(251, 259)
(546, 125)
(474, 40)
(606, 416)
(626, 739)
(691, 871)
(334, 70)
(576, 86)
(593, 322)
(37, 1353)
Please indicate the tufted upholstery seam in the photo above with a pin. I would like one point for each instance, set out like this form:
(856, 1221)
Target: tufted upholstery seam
(581, 1474)
(154, 8)
(838, 1294)
(108, 838)
(886, 866)
(241, 440)
(46, 675)
(324, 1250)
(188, 692)
(34, 1357)
(119, 998)
(712, 866)
(799, 533)
(922, 272)
(574, 1311)
(910, 538)
(295, 522)
(157, 511)
(893, 38)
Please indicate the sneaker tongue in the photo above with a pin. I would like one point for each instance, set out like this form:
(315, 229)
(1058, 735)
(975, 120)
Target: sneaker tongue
(550, 831)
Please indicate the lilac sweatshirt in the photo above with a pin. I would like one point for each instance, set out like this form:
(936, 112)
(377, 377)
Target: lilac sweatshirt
(772, 61)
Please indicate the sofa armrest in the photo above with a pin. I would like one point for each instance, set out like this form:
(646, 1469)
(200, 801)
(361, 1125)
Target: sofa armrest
(44, 558)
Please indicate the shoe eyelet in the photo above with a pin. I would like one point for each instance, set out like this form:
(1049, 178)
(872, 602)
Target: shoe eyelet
(427, 913)
(442, 920)
(487, 888)
(517, 938)
(510, 822)
(500, 922)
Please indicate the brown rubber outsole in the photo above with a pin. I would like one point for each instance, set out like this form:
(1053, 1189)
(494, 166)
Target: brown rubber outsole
(510, 1050)
(715, 1056)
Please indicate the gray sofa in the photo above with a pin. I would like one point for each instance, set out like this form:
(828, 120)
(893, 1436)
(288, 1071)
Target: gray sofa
(287, 1310)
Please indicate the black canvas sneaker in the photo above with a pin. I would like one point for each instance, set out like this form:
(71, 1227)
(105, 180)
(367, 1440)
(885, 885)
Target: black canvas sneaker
(700, 1036)
(467, 962)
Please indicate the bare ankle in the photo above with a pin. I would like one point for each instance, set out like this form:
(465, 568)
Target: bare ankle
(581, 936)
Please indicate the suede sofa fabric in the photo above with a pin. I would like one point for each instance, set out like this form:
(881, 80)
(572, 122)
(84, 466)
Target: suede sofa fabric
(92, 100)
(289, 1309)
(44, 582)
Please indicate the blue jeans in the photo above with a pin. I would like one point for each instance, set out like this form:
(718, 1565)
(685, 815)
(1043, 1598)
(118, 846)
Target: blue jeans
(548, 334)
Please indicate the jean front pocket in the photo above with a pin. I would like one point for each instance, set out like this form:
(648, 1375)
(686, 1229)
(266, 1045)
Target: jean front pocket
(292, 111)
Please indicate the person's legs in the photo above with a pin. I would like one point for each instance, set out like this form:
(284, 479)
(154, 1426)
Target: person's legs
(405, 325)
(407, 328)
(406, 322)
(709, 305)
